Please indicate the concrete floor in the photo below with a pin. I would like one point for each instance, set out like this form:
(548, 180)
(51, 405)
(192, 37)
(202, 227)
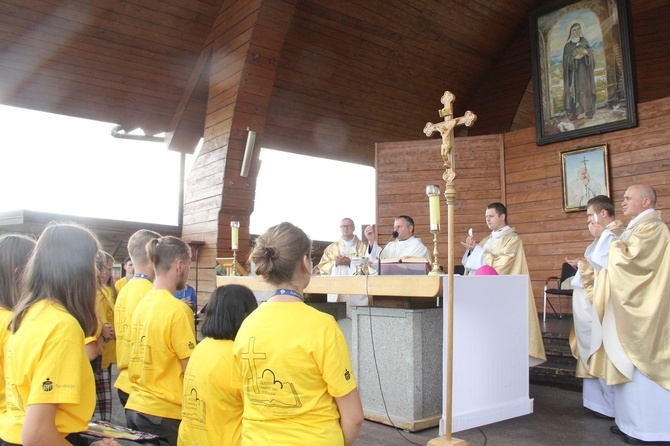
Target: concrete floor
(558, 418)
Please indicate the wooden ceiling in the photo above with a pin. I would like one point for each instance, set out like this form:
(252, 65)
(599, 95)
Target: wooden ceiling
(350, 73)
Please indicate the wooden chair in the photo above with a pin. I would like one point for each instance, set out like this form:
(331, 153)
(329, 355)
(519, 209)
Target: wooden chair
(555, 286)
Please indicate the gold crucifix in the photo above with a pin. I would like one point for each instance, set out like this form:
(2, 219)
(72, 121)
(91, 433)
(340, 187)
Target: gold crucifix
(446, 129)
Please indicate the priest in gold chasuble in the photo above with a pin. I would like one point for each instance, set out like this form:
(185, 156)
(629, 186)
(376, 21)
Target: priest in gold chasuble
(338, 260)
(636, 335)
(503, 250)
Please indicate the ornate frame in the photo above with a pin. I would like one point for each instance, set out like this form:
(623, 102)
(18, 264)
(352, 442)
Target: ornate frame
(577, 187)
(598, 86)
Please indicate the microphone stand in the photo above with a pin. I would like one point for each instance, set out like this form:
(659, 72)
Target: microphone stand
(379, 256)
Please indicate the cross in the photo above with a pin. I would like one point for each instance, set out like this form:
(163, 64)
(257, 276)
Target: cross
(446, 127)
(250, 356)
(584, 161)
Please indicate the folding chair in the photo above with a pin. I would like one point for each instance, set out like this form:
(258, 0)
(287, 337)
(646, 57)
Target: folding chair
(567, 271)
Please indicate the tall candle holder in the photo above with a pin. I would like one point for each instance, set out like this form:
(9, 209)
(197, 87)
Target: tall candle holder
(433, 192)
(234, 244)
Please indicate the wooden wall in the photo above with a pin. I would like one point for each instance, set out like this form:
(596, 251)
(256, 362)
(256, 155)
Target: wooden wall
(215, 193)
(504, 99)
(404, 169)
(534, 197)
(527, 178)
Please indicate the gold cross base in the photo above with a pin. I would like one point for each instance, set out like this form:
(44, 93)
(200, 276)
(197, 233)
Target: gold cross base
(442, 441)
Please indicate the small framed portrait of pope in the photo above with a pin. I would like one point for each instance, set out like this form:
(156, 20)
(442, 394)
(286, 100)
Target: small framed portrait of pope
(582, 76)
(585, 175)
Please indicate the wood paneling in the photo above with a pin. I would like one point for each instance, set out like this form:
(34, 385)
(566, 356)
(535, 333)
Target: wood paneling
(405, 169)
(324, 78)
(344, 74)
(531, 188)
(534, 184)
(504, 98)
(216, 193)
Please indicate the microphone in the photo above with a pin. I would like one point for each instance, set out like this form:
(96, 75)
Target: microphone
(379, 257)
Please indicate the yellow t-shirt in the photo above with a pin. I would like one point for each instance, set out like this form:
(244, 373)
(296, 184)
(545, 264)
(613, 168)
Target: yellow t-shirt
(105, 310)
(211, 411)
(126, 302)
(292, 362)
(46, 364)
(120, 284)
(162, 334)
(5, 318)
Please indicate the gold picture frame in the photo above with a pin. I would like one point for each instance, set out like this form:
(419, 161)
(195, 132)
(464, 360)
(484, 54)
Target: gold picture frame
(585, 175)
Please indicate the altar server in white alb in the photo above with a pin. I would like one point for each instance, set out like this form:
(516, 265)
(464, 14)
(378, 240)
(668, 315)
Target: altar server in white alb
(404, 246)
(503, 250)
(590, 293)
(637, 332)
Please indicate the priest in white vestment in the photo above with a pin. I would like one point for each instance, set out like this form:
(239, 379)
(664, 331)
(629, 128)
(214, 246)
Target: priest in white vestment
(636, 332)
(404, 246)
(589, 294)
(503, 250)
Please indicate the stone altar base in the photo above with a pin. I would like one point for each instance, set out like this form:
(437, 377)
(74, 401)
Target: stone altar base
(397, 360)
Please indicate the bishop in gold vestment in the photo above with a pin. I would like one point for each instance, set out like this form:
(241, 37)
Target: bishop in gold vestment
(637, 338)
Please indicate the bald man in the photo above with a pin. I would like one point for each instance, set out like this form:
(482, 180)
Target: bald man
(636, 325)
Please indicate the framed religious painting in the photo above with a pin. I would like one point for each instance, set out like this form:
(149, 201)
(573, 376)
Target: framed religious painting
(582, 77)
(585, 175)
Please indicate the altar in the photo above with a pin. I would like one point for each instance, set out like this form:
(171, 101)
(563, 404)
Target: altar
(396, 346)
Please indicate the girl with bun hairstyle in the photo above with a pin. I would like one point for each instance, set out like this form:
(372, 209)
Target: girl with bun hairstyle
(292, 360)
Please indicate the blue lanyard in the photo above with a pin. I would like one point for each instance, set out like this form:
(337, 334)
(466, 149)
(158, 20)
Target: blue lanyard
(285, 291)
(142, 276)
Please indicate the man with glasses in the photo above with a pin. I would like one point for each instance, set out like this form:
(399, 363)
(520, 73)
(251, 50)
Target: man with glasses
(337, 261)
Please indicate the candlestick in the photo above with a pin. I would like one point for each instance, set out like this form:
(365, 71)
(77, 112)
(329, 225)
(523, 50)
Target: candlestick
(234, 235)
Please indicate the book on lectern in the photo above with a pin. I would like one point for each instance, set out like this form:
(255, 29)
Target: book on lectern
(406, 266)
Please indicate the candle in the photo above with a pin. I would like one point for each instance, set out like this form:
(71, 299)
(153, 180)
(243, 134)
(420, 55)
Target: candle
(433, 193)
(234, 235)
(434, 201)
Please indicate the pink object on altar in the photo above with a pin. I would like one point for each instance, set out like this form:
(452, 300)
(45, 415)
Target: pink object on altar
(486, 270)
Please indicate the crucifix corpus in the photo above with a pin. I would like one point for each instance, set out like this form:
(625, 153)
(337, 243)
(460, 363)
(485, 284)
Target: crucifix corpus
(446, 129)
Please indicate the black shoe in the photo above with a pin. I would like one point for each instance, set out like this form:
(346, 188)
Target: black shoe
(615, 430)
(632, 440)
